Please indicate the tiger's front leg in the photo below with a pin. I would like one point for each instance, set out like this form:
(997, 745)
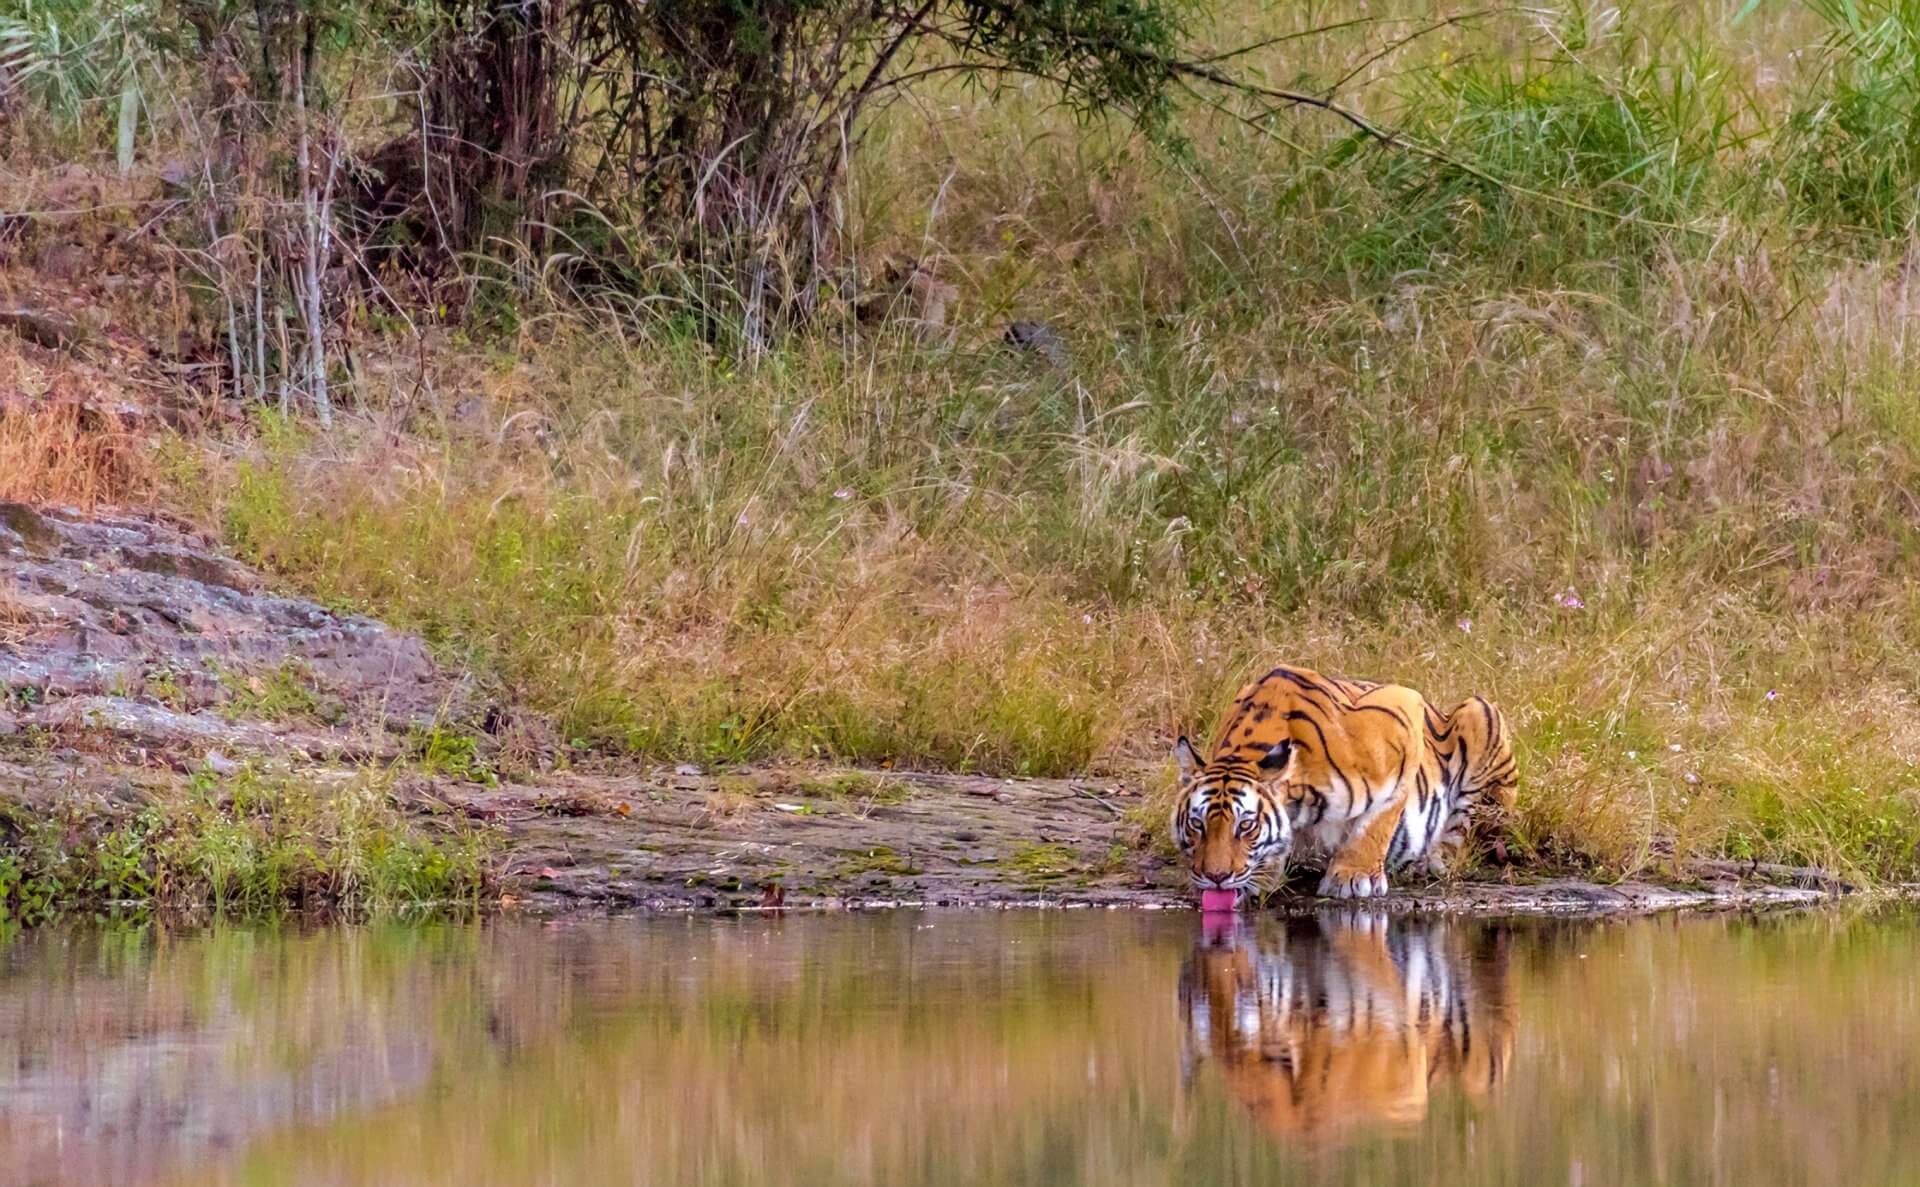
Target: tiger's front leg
(1358, 868)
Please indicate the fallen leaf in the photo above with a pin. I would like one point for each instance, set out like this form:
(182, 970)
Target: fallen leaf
(624, 808)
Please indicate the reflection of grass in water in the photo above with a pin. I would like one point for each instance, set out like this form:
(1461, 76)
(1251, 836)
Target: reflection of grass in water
(1062, 1050)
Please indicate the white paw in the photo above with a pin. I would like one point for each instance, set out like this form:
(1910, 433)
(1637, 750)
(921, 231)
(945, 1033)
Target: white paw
(1345, 885)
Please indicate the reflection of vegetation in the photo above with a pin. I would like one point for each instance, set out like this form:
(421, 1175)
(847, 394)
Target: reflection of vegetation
(1003, 1048)
(253, 842)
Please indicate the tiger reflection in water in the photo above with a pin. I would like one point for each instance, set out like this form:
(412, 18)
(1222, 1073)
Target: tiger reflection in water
(1325, 1027)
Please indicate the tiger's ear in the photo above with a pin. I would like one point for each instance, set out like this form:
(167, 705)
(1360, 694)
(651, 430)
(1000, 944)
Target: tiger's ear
(1275, 759)
(1186, 759)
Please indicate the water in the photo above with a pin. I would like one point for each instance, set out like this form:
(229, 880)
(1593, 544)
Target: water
(968, 1048)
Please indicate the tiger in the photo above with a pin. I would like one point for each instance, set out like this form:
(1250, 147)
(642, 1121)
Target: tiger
(1323, 1029)
(1369, 776)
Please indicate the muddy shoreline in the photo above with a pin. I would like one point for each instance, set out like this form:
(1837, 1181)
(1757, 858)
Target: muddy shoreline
(855, 840)
(137, 656)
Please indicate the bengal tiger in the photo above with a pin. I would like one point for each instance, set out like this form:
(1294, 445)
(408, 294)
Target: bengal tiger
(1369, 776)
(1324, 1029)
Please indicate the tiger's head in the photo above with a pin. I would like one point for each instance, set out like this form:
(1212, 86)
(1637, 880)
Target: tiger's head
(1228, 819)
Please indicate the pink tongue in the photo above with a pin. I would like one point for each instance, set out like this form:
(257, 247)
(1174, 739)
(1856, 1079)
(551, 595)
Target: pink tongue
(1219, 900)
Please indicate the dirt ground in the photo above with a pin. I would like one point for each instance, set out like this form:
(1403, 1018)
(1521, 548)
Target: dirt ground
(852, 839)
(133, 653)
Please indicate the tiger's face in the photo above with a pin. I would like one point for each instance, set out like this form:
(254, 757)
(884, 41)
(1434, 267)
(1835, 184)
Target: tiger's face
(1228, 821)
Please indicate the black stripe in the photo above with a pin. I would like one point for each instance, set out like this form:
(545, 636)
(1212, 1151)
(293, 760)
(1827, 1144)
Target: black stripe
(1389, 710)
(1293, 677)
(1298, 715)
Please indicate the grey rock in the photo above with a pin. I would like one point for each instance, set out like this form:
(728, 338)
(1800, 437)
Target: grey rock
(136, 627)
(1039, 338)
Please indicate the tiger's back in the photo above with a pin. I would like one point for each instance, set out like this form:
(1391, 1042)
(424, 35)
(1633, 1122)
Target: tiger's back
(1369, 776)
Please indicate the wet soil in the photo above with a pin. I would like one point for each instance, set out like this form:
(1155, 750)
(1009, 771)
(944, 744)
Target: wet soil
(848, 839)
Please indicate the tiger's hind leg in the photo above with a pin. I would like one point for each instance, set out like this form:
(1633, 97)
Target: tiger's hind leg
(1480, 785)
(1358, 868)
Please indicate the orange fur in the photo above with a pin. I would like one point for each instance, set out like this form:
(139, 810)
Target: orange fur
(1370, 776)
(1354, 1022)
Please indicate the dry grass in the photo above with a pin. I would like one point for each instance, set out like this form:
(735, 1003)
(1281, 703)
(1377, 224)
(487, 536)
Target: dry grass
(17, 622)
(1657, 447)
(59, 453)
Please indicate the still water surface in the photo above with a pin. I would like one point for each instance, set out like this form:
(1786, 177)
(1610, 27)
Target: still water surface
(968, 1048)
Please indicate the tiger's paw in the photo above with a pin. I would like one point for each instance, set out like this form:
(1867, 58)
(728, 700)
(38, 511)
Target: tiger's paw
(1352, 884)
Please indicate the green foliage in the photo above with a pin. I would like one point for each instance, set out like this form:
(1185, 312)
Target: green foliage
(250, 844)
(68, 55)
(442, 751)
(1851, 149)
(285, 692)
(1103, 54)
(1573, 153)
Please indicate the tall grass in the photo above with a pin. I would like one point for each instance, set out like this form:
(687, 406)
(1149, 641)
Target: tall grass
(1567, 413)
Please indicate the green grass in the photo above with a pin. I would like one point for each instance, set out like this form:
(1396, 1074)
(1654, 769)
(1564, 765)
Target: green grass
(286, 692)
(1606, 413)
(1042, 864)
(878, 861)
(249, 844)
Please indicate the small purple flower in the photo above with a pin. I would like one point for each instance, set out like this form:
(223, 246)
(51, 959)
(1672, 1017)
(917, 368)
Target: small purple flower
(742, 521)
(843, 493)
(1571, 600)
(1773, 694)
(1465, 625)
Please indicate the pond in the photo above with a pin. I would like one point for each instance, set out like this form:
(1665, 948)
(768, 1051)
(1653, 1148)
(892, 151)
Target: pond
(1017, 1047)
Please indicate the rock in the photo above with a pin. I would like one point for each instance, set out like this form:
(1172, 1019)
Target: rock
(64, 261)
(139, 626)
(45, 329)
(220, 764)
(1037, 337)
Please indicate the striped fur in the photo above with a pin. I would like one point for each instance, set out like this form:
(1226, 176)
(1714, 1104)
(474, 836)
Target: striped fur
(1368, 777)
(1328, 1030)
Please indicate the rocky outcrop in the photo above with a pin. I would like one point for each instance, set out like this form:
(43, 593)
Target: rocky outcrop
(150, 633)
